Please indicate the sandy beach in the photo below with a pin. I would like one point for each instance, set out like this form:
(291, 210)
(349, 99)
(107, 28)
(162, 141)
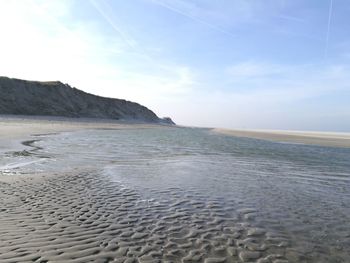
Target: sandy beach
(138, 131)
(82, 211)
(13, 127)
(80, 215)
(68, 217)
(331, 139)
(43, 214)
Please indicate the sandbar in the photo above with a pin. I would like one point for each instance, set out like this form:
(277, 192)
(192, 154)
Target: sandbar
(330, 139)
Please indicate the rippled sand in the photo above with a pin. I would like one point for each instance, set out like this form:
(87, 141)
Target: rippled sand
(120, 192)
(85, 218)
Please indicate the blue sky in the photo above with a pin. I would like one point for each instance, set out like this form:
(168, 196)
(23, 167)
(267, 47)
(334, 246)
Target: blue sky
(253, 64)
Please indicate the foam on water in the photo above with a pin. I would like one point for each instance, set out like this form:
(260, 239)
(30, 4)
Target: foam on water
(251, 200)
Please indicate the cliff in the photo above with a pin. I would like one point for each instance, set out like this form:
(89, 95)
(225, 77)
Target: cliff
(22, 97)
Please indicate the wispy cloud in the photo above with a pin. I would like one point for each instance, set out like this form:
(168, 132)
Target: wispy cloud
(288, 82)
(106, 12)
(206, 78)
(191, 16)
(39, 46)
(289, 102)
(251, 69)
(291, 18)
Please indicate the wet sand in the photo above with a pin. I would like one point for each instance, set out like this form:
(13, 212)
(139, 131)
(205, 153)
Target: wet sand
(14, 129)
(81, 215)
(331, 139)
(85, 218)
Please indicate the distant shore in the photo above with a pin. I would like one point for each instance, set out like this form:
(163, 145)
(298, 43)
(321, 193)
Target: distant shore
(330, 139)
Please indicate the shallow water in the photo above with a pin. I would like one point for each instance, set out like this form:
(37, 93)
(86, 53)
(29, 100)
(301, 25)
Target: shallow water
(287, 202)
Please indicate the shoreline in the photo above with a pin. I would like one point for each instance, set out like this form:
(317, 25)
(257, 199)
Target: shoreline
(328, 139)
(17, 128)
(78, 212)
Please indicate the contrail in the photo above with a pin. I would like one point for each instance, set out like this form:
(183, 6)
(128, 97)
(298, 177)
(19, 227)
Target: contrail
(106, 16)
(194, 18)
(328, 28)
(104, 10)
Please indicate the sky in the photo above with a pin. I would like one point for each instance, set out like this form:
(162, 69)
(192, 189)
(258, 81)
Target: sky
(242, 64)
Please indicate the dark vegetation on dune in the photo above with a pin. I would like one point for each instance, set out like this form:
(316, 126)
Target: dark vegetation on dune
(54, 98)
